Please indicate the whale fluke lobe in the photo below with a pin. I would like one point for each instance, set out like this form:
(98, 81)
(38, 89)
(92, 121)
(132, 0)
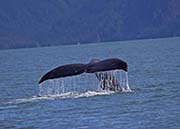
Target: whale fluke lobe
(105, 65)
(94, 66)
(64, 71)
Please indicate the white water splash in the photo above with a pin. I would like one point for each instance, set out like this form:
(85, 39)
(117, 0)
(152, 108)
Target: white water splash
(108, 80)
(61, 96)
(74, 87)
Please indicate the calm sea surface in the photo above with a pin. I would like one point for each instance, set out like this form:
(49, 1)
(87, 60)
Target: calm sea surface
(154, 77)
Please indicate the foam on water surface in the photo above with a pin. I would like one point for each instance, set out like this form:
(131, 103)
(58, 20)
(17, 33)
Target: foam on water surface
(59, 96)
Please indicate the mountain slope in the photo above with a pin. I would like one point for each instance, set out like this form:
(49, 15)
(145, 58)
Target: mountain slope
(26, 23)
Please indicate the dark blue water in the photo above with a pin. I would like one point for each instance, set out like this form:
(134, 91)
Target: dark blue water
(154, 71)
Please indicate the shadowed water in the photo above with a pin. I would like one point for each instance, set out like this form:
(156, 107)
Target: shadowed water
(154, 71)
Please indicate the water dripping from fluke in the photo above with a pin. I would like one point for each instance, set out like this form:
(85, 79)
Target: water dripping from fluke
(87, 84)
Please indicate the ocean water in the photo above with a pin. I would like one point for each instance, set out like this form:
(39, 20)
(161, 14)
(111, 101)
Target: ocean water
(154, 77)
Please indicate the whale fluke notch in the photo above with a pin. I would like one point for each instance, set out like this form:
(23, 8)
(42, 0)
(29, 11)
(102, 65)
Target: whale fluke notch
(92, 67)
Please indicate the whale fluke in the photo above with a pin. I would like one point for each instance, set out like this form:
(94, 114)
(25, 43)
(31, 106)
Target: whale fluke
(92, 67)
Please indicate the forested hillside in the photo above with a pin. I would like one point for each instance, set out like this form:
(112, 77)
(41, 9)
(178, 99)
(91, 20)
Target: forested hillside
(32, 23)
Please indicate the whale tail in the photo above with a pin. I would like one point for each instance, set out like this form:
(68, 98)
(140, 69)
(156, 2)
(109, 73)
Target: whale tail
(94, 66)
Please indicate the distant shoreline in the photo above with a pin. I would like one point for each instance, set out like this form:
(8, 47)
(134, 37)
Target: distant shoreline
(89, 43)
